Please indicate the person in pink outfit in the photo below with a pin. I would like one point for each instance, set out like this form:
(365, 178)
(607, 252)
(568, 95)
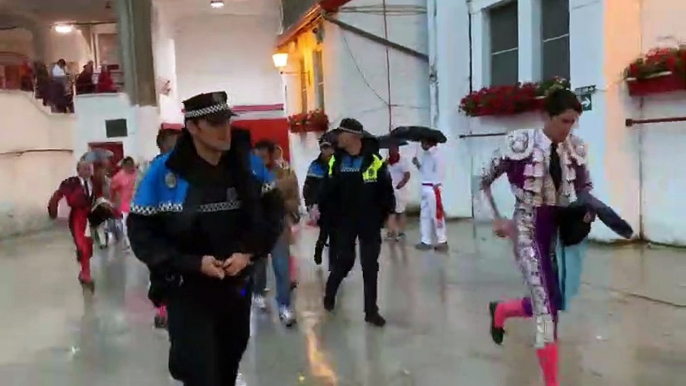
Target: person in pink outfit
(122, 189)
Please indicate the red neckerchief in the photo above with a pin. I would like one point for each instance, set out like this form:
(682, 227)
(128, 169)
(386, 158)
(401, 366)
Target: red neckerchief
(393, 159)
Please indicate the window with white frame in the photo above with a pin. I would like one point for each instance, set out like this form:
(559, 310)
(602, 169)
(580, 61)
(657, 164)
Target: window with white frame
(555, 35)
(318, 79)
(303, 86)
(504, 38)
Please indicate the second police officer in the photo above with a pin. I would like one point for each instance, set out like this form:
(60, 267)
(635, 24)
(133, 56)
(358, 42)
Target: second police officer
(356, 197)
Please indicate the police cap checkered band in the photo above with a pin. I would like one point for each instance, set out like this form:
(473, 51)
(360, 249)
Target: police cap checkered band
(210, 110)
(352, 131)
(351, 125)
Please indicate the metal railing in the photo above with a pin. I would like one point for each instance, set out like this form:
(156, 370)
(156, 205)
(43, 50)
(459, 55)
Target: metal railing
(632, 122)
(481, 135)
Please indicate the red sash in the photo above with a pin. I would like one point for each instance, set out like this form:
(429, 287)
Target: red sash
(439, 203)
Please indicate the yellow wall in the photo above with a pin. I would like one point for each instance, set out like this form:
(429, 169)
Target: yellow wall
(303, 48)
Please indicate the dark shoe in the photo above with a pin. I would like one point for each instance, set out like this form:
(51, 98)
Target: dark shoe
(375, 320)
(497, 333)
(442, 247)
(423, 247)
(329, 304)
(294, 285)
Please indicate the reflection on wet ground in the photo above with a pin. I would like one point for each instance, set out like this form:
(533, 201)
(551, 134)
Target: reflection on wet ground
(627, 328)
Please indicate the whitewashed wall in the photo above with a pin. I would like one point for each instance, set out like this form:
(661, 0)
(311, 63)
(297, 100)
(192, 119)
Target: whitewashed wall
(661, 145)
(629, 165)
(164, 46)
(18, 41)
(231, 53)
(72, 47)
(28, 177)
(92, 110)
(356, 76)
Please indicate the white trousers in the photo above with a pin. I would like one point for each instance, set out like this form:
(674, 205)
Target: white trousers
(125, 234)
(429, 224)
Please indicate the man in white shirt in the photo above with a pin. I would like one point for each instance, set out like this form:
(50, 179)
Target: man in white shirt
(59, 70)
(399, 168)
(432, 217)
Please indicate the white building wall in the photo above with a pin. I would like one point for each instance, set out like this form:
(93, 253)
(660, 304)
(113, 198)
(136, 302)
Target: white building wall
(35, 156)
(231, 53)
(72, 47)
(164, 45)
(18, 40)
(629, 165)
(356, 76)
(92, 112)
(662, 154)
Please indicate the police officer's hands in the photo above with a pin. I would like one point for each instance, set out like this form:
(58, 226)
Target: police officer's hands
(236, 263)
(212, 267)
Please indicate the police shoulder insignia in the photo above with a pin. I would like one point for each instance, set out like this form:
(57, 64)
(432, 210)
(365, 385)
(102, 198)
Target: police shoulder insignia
(170, 180)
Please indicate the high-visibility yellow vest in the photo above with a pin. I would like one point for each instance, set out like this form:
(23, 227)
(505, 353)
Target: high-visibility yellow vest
(369, 175)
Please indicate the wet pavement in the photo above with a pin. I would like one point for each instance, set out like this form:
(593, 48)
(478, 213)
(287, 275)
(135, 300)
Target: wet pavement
(627, 328)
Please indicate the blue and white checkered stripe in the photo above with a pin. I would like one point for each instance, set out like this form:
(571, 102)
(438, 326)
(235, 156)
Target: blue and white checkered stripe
(149, 210)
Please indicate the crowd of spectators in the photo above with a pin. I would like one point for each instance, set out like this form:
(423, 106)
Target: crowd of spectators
(57, 86)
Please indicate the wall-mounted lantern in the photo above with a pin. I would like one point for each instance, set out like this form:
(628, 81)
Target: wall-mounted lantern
(64, 28)
(280, 60)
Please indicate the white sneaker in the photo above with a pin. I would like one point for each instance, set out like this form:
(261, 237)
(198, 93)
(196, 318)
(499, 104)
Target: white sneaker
(287, 316)
(260, 302)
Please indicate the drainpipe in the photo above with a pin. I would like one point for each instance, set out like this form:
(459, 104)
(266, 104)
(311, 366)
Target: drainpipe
(433, 53)
(388, 69)
(469, 121)
(471, 50)
(641, 155)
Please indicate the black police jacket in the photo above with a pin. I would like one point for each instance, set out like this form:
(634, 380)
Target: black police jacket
(315, 175)
(184, 209)
(363, 196)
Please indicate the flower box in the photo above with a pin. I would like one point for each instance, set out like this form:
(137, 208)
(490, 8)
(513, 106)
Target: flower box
(510, 100)
(661, 70)
(655, 84)
(313, 121)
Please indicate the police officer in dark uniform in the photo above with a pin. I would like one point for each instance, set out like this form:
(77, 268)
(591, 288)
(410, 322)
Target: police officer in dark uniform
(318, 170)
(198, 219)
(357, 196)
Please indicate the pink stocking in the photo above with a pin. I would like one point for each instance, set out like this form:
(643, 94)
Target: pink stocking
(516, 308)
(547, 358)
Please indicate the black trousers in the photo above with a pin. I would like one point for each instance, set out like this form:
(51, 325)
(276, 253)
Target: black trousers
(370, 248)
(325, 233)
(208, 339)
